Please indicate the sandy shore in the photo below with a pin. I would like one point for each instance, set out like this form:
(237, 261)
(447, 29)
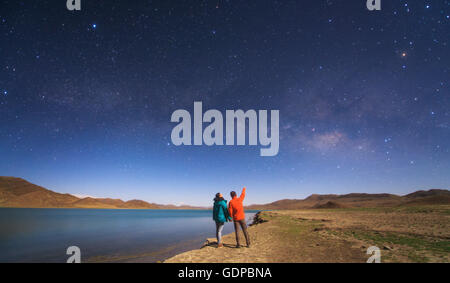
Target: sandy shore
(411, 235)
(274, 241)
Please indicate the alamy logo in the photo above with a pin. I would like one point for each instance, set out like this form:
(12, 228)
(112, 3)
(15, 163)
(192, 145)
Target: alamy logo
(73, 5)
(76, 5)
(375, 254)
(213, 133)
(374, 5)
(75, 254)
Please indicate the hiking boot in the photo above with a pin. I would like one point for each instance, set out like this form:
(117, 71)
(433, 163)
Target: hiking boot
(220, 245)
(248, 246)
(238, 246)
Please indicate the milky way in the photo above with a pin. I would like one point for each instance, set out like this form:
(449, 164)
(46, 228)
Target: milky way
(86, 96)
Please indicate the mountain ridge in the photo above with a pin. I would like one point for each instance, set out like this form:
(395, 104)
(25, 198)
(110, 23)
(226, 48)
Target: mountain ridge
(422, 197)
(17, 192)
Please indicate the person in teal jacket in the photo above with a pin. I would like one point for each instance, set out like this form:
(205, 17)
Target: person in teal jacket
(220, 216)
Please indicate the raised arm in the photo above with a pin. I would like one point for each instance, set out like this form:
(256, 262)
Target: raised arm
(242, 194)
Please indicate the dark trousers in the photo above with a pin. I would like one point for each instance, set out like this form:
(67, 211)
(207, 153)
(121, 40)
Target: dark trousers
(244, 229)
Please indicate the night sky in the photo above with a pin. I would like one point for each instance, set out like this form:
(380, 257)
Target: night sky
(86, 96)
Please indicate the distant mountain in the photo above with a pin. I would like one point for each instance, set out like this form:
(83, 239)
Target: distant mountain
(430, 197)
(16, 192)
(430, 193)
(330, 204)
(427, 197)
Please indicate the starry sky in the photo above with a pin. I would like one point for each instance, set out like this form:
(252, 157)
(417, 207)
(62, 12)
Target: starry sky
(86, 96)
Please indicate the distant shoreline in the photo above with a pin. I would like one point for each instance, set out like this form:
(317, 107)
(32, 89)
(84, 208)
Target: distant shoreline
(105, 208)
(19, 193)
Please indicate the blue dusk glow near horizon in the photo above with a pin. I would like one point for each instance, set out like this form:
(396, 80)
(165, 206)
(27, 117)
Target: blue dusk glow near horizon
(86, 96)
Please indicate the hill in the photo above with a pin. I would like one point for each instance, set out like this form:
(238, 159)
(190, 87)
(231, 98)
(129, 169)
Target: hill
(430, 197)
(16, 192)
(330, 204)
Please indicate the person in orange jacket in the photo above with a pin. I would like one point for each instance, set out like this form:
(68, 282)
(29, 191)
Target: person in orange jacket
(236, 211)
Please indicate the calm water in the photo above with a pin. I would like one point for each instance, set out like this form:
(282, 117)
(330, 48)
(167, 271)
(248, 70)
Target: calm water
(43, 235)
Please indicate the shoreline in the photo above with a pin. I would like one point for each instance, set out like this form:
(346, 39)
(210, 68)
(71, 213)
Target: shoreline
(412, 235)
(165, 253)
(210, 242)
(104, 208)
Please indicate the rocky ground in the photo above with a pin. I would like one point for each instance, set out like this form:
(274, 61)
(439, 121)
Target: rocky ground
(404, 234)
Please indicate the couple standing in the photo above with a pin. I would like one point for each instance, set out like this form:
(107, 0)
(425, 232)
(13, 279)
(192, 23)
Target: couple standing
(234, 211)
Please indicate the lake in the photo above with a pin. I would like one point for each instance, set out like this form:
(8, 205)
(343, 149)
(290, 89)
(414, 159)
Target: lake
(110, 235)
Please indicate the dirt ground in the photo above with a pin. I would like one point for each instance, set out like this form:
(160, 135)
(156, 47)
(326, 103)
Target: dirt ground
(408, 234)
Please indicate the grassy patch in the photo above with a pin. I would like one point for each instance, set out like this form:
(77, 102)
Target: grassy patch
(444, 209)
(418, 243)
(293, 226)
(414, 257)
(419, 246)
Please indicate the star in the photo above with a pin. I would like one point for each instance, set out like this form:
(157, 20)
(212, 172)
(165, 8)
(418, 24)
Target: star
(117, 87)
